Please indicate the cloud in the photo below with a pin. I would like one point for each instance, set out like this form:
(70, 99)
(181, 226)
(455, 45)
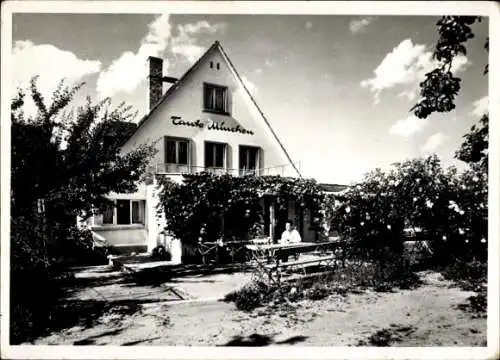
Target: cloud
(185, 43)
(268, 62)
(406, 65)
(433, 142)
(130, 69)
(480, 107)
(408, 126)
(309, 25)
(51, 64)
(359, 25)
(410, 94)
(252, 88)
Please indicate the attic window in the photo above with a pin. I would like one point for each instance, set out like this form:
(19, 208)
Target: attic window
(215, 98)
(218, 66)
(211, 64)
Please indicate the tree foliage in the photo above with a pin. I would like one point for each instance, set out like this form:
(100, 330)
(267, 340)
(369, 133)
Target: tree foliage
(194, 210)
(67, 158)
(440, 87)
(474, 149)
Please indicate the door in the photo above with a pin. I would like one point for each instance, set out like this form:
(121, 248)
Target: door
(299, 215)
(267, 215)
(281, 219)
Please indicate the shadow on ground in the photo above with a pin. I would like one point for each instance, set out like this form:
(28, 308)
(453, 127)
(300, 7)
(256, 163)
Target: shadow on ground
(155, 276)
(86, 314)
(91, 339)
(61, 312)
(263, 340)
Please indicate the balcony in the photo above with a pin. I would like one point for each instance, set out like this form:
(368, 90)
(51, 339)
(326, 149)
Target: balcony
(181, 169)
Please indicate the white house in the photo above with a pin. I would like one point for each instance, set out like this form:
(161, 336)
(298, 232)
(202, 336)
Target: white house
(205, 121)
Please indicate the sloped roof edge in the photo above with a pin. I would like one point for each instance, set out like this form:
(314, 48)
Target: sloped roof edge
(228, 60)
(171, 90)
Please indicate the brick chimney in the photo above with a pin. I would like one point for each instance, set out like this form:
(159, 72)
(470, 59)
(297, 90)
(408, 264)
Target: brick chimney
(155, 81)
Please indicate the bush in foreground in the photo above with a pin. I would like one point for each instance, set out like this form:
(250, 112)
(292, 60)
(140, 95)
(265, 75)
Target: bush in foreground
(341, 282)
(251, 296)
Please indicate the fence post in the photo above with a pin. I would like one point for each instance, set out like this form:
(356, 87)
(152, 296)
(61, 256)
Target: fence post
(40, 205)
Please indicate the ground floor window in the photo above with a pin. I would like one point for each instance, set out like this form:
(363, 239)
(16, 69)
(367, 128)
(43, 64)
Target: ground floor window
(108, 215)
(125, 212)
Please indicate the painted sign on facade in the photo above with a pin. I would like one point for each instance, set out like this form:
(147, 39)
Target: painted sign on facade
(211, 125)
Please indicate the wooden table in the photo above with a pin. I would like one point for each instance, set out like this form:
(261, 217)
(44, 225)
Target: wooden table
(266, 258)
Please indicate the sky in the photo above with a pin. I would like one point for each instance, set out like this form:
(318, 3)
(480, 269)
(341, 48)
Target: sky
(336, 89)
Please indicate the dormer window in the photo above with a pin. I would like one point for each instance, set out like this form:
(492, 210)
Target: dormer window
(215, 99)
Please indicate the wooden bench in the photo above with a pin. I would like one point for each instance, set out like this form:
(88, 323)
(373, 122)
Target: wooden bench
(301, 264)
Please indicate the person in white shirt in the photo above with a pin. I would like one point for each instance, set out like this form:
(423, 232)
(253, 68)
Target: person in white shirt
(289, 236)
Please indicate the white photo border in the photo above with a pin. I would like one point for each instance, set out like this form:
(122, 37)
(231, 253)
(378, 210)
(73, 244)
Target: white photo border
(483, 8)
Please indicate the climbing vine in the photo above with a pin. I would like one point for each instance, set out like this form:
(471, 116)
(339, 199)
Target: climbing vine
(206, 207)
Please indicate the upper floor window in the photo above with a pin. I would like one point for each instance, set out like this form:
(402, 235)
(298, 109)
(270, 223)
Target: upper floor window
(215, 155)
(215, 98)
(249, 159)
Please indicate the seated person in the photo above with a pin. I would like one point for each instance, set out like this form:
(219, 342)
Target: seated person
(289, 236)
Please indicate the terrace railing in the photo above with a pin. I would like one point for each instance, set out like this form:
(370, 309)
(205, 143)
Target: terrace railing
(181, 169)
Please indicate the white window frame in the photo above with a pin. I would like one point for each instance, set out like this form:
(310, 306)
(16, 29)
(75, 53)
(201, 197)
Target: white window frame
(115, 213)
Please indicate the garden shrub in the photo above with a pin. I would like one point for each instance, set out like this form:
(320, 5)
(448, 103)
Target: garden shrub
(160, 253)
(478, 303)
(469, 271)
(470, 275)
(318, 291)
(388, 336)
(450, 207)
(39, 258)
(250, 296)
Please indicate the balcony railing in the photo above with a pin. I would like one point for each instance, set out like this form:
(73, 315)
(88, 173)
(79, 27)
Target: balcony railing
(180, 169)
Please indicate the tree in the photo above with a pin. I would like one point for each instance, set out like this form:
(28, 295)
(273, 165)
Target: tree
(71, 160)
(440, 87)
(68, 158)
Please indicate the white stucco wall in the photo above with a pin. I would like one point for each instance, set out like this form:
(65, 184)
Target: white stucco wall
(187, 103)
(123, 235)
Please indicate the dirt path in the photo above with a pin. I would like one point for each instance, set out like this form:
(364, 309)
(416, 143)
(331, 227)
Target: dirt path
(426, 316)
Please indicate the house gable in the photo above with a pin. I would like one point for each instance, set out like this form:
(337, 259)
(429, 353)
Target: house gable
(180, 114)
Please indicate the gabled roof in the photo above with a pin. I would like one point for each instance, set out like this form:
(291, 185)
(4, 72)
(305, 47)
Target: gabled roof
(215, 46)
